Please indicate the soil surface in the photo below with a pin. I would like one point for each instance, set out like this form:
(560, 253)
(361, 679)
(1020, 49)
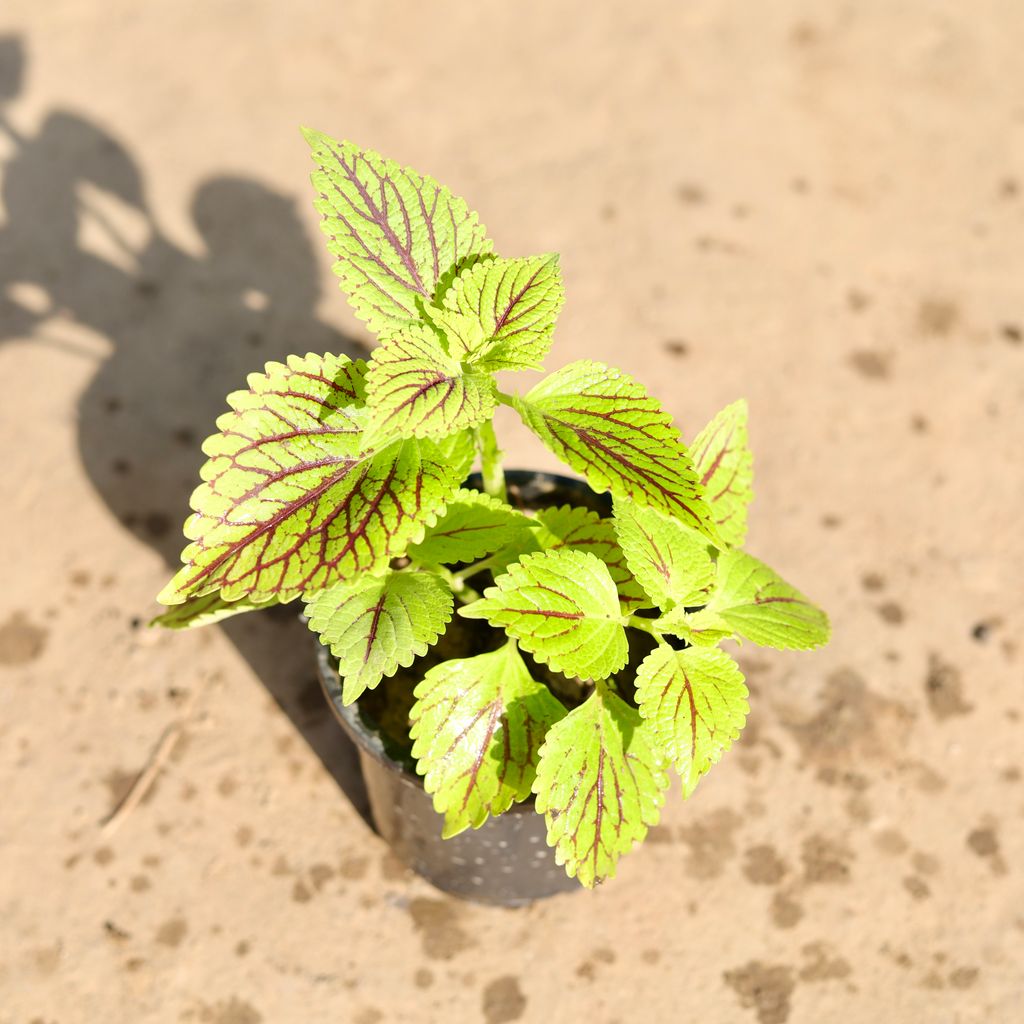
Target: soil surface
(817, 206)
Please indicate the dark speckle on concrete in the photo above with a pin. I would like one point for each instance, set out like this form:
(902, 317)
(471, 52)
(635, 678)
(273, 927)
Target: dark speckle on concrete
(826, 861)
(439, 922)
(917, 887)
(172, 932)
(873, 581)
(589, 968)
(984, 843)
(764, 988)
(21, 642)
(937, 317)
(943, 687)
(785, 911)
(503, 1000)
(711, 843)
(823, 964)
(963, 977)
(891, 613)
(762, 865)
(870, 364)
(230, 1011)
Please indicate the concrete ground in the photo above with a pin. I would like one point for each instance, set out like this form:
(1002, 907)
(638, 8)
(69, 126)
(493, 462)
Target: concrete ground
(816, 205)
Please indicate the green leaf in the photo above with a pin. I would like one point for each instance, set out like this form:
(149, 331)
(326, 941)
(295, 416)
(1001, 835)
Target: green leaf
(417, 390)
(761, 606)
(206, 610)
(501, 313)
(583, 530)
(563, 608)
(477, 725)
(463, 334)
(375, 624)
(600, 785)
(603, 424)
(473, 525)
(725, 466)
(671, 562)
(395, 233)
(703, 627)
(696, 702)
(292, 501)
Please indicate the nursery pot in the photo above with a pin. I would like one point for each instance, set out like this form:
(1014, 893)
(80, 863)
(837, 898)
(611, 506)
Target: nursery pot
(506, 861)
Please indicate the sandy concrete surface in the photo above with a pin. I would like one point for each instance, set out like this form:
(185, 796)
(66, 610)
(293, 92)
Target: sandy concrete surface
(816, 205)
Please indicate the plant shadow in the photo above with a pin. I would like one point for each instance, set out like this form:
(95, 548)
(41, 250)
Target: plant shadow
(183, 329)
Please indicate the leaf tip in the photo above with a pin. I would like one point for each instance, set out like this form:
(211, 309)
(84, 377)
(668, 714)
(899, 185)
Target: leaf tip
(312, 136)
(475, 609)
(171, 594)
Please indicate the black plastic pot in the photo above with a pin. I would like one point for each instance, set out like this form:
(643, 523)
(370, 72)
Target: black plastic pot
(507, 860)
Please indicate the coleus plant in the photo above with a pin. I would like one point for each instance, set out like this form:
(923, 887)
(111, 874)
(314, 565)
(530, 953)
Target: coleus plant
(343, 483)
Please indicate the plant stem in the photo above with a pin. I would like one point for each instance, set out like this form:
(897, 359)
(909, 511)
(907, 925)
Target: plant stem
(472, 570)
(490, 461)
(645, 625)
(464, 593)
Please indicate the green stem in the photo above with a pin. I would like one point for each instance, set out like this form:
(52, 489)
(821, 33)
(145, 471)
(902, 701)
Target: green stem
(471, 570)
(464, 593)
(490, 461)
(645, 625)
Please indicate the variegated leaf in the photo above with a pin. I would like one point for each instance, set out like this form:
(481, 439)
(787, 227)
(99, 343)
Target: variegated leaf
(292, 501)
(604, 424)
(761, 606)
(501, 313)
(600, 785)
(580, 529)
(205, 611)
(396, 233)
(671, 562)
(725, 466)
(417, 390)
(477, 727)
(583, 530)
(562, 606)
(473, 525)
(696, 703)
(375, 624)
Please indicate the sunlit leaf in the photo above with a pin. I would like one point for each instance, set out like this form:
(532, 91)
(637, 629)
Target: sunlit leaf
(376, 624)
(761, 606)
(701, 627)
(500, 314)
(396, 233)
(206, 610)
(417, 390)
(583, 530)
(562, 606)
(292, 501)
(725, 466)
(600, 785)
(604, 424)
(671, 562)
(695, 701)
(477, 725)
(472, 525)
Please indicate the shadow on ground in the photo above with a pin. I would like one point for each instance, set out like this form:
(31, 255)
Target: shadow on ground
(80, 240)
